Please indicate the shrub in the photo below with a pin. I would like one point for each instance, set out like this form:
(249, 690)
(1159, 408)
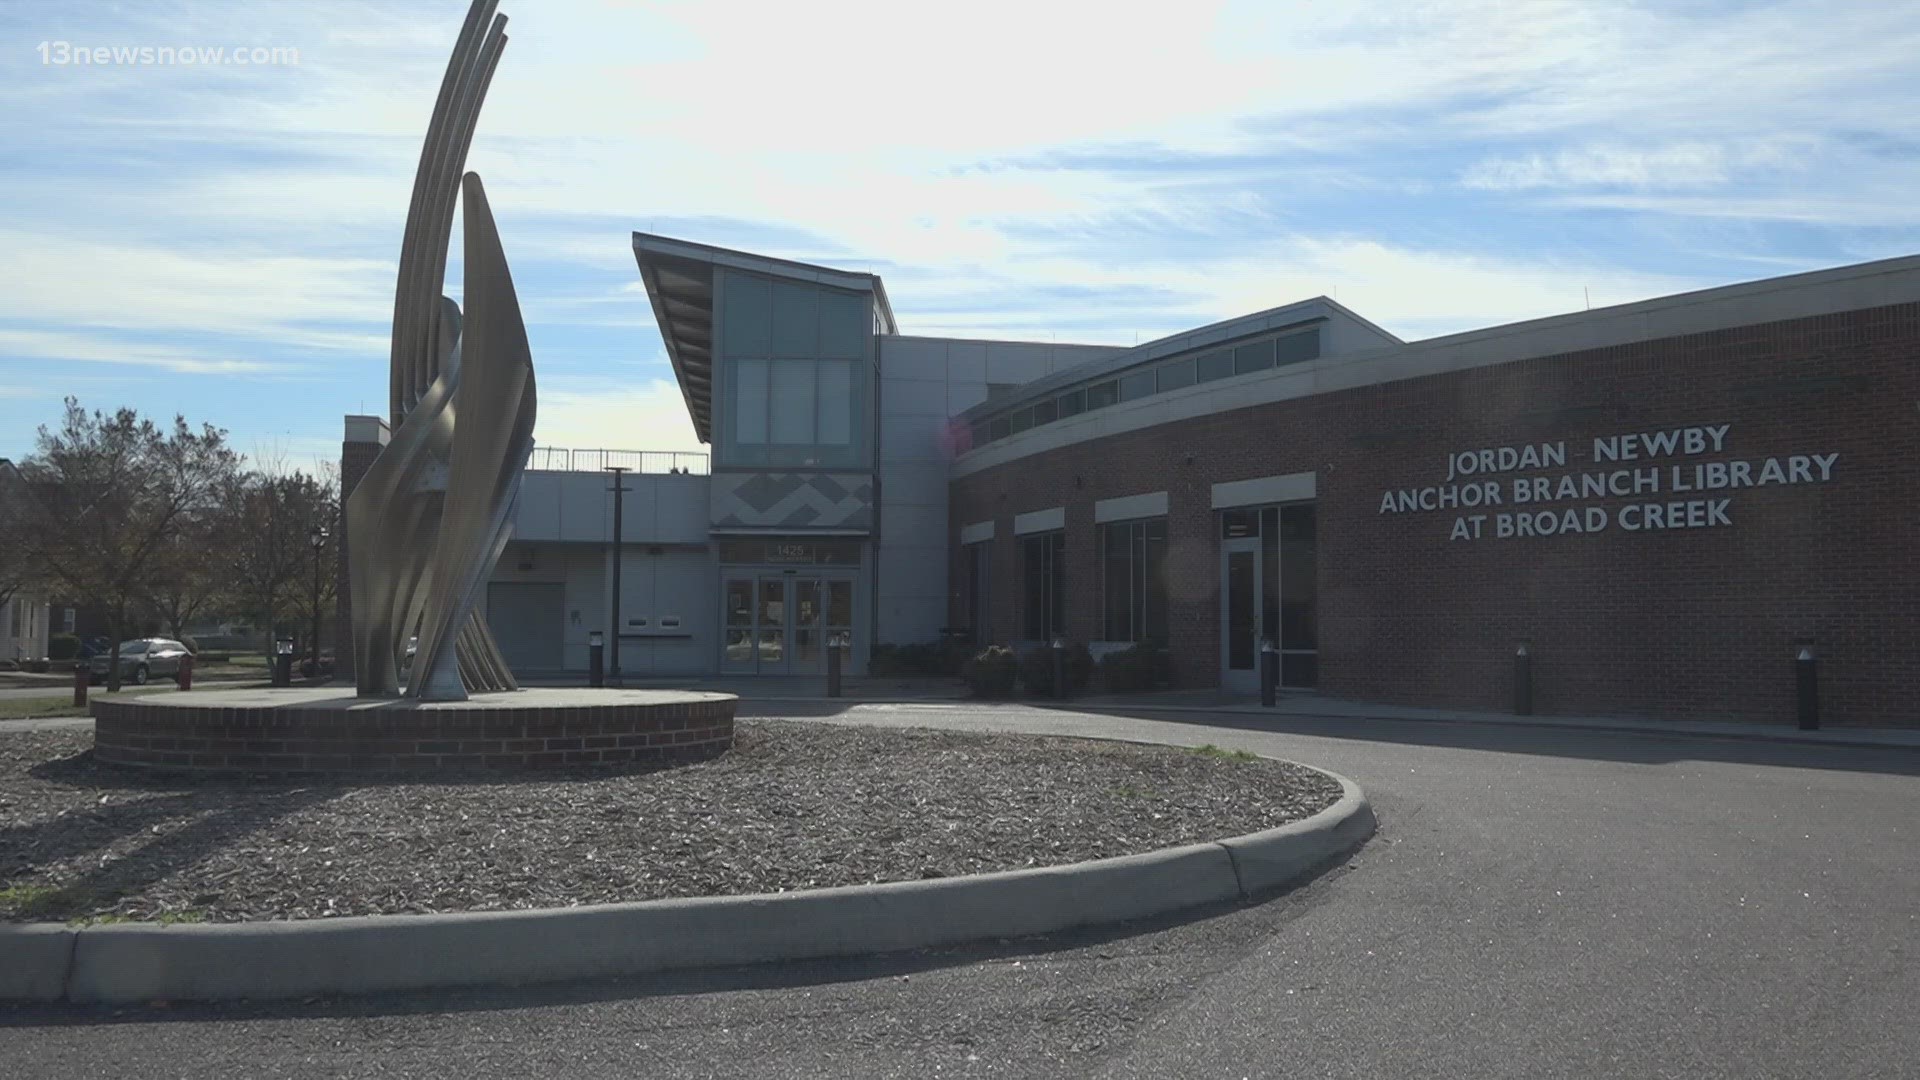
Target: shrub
(1036, 670)
(991, 673)
(38, 667)
(1141, 666)
(932, 660)
(62, 647)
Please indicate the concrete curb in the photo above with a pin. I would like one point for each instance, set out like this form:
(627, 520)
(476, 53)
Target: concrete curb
(1859, 739)
(126, 964)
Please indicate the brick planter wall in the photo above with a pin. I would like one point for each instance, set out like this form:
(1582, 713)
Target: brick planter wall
(194, 737)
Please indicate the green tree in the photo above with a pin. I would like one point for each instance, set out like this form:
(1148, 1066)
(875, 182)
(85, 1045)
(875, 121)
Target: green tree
(111, 494)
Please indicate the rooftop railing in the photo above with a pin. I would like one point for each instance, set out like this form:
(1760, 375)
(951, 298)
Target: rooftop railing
(659, 462)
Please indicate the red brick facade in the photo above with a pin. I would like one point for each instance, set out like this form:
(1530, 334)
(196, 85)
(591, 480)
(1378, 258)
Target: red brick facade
(1698, 622)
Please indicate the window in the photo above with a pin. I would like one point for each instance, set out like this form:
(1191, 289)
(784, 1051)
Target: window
(836, 403)
(1043, 412)
(1019, 420)
(792, 389)
(1255, 357)
(1044, 556)
(1101, 395)
(1000, 428)
(796, 321)
(980, 579)
(1298, 347)
(750, 402)
(1071, 403)
(1133, 562)
(1299, 599)
(790, 401)
(1137, 385)
(1176, 375)
(1214, 365)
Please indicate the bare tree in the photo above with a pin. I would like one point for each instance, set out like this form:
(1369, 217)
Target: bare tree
(311, 592)
(111, 492)
(14, 568)
(265, 537)
(187, 580)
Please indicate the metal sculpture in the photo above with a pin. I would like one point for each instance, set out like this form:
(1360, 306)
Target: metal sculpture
(432, 515)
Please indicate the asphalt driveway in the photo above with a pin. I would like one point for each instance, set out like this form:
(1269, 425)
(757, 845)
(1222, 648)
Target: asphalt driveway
(1537, 904)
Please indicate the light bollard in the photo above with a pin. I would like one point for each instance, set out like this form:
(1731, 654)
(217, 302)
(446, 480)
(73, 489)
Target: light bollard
(596, 659)
(833, 667)
(1269, 673)
(80, 677)
(185, 676)
(1807, 684)
(283, 662)
(1522, 682)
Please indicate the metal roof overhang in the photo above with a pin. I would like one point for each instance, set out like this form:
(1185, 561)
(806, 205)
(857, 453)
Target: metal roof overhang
(679, 278)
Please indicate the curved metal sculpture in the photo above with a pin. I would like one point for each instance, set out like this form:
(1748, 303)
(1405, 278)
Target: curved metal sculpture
(432, 515)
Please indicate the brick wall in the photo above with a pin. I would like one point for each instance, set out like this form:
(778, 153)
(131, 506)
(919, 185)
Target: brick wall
(190, 738)
(1697, 622)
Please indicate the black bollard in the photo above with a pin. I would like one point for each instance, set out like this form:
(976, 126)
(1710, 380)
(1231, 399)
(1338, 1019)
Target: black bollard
(833, 667)
(283, 662)
(1807, 676)
(1522, 682)
(596, 660)
(1269, 674)
(1059, 668)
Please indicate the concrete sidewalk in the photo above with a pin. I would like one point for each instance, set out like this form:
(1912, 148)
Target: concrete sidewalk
(1304, 704)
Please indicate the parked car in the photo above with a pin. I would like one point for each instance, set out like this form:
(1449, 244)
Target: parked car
(140, 660)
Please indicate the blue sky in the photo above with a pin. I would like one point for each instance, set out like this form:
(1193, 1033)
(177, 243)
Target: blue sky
(220, 240)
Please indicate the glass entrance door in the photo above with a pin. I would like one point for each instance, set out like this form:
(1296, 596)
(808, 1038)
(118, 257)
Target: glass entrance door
(779, 624)
(1240, 595)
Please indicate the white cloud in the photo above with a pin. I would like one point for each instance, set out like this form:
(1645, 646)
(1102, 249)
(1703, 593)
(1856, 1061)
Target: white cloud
(73, 347)
(280, 299)
(652, 416)
(1683, 165)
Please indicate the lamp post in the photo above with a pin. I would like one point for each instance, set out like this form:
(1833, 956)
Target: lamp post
(619, 488)
(317, 537)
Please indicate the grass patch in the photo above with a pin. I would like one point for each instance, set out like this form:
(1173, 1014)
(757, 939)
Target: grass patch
(1210, 750)
(62, 704)
(52, 902)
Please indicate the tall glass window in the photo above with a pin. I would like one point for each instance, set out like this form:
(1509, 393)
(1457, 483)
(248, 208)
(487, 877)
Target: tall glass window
(1044, 558)
(835, 397)
(790, 401)
(793, 385)
(980, 583)
(1299, 597)
(1133, 562)
(750, 402)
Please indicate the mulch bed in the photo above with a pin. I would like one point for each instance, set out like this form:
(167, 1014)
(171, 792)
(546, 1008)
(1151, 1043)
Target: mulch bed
(793, 806)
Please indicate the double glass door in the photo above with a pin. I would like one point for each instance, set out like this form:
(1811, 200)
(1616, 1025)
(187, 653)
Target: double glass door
(783, 623)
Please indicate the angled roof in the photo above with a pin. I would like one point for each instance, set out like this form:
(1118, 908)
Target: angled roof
(1320, 309)
(679, 279)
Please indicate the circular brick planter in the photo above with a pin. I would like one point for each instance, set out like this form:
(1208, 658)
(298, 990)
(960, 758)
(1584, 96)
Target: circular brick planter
(328, 729)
